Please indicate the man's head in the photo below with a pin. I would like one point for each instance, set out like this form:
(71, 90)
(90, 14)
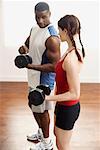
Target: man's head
(42, 14)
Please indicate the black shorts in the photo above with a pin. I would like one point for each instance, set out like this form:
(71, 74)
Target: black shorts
(66, 116)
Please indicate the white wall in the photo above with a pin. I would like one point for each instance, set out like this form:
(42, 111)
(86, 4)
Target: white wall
(16, 19)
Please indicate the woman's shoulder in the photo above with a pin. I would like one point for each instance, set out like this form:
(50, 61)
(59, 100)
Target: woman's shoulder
(72, 56)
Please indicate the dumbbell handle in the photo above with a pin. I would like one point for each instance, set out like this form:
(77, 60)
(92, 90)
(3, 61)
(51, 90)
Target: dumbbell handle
(22, 61)
(40, 91)
(45, 88)
(37, 95)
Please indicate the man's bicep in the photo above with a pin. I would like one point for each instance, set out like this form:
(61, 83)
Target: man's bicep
(27, 42)
(53, 49)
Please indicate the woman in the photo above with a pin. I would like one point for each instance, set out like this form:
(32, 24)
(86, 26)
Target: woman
(67, 81)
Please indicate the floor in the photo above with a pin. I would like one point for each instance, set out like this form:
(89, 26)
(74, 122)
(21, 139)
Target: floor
(16, 120)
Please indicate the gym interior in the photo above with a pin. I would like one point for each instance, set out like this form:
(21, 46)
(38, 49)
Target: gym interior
(16, 120)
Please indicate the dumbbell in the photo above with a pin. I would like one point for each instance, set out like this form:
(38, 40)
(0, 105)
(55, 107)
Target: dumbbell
(37, 96)
(22, 61)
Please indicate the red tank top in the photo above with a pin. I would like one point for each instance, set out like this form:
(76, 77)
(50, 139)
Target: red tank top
(62, 83)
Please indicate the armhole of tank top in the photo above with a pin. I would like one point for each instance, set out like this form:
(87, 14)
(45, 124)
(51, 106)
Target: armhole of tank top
(68, 53)
(65, 57)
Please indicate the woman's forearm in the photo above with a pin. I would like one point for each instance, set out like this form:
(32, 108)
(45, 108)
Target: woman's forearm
(63, 97)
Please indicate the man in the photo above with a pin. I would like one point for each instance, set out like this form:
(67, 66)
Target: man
(43, 46)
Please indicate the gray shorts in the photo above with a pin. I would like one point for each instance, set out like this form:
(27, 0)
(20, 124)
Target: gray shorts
(46, 105)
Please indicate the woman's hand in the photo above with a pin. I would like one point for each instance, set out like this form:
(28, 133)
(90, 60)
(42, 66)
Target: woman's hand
(47, 98)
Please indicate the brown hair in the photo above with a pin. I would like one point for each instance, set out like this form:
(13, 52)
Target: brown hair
(72, 24)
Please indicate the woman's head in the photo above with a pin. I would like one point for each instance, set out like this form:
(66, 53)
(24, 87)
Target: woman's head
(69, 26)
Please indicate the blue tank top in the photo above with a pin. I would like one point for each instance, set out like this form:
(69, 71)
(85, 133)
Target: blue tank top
(48, 78)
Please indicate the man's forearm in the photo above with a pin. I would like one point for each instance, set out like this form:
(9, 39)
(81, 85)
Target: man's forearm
(43, 68)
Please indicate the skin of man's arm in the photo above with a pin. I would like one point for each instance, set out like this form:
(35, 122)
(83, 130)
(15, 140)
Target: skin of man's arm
(53, 54)
(24, 49)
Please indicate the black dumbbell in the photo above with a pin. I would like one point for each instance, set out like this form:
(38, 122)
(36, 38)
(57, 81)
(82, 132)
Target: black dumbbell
(22, 61)
(45, 88)
(37, 96)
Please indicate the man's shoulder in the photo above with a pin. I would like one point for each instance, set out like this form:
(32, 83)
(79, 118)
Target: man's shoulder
(34, 28)
(52, 30)
(53, 35)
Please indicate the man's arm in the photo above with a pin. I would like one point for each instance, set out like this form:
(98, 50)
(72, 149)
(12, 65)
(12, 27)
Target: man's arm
(24, 49)
(53, 54)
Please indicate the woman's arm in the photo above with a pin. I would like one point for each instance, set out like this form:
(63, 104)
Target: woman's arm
(71, 66)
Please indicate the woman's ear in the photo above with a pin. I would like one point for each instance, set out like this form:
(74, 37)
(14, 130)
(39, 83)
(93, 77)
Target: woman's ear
(65, 30)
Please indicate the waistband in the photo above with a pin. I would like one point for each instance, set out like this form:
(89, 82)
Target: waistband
(68, 103)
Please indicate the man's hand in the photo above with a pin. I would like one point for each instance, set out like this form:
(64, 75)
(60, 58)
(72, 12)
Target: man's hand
(23, 50)
(30, 66)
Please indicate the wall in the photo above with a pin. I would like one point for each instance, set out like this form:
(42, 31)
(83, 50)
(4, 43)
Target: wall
(16, 19)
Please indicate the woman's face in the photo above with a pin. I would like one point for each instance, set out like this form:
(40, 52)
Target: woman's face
(63, 34)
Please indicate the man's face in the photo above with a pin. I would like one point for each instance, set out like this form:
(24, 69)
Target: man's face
(42, 18)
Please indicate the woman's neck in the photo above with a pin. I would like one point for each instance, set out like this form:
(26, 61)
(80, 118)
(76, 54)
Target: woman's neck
(69, 42)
